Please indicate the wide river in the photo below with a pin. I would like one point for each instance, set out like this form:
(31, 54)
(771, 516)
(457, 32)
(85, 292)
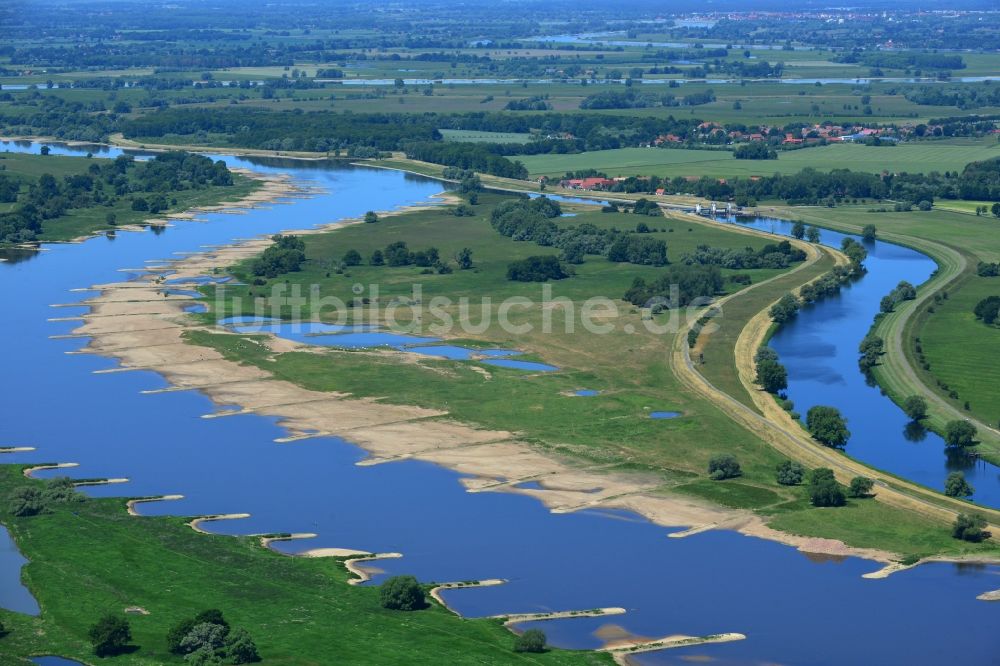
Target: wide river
(794, 608)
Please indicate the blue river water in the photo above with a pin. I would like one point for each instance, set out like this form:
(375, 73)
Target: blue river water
(794, 608)
(820, 349)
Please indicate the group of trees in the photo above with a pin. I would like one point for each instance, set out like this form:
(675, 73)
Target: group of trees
(631, 99)
(532, 220)
(678, 286)
(904, 291)
(755, 150)
(286, 255)
(33, 500)
(286, 130)
(824, 490)
(398, 254)
(207, 638)
(773, 255)
(148, 183)
(723, 467)
(978, 180)
(785, 309)
(983, 268)
(871, 349)
(988, 310)
(537, 269)
(202, 640)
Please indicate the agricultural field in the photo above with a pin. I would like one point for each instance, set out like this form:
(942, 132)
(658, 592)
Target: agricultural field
(909, 157)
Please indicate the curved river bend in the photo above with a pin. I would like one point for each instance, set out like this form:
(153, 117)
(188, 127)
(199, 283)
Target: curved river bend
(794, 609)
(820, 349)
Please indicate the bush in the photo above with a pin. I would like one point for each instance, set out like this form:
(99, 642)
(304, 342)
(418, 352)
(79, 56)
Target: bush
(970, 527)
(110, 635)
(402, 593)
(959, 433)
(861, 486)
(723, 467)
(789, 473)
(531, 640)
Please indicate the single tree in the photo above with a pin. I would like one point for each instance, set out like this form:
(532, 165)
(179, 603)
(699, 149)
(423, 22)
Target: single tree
(959, 433)
(915, 407)
(812, 234)
(789, 473)
(827, 425)
(464, 258)
(45, 150)
(402, 593)
(110, 635)
(970, 527)
(861, 486)
(956, 485)
(723, 467)
(869, 233)
(532, 640)
(798, 229)
(371, 217)
(352, 258)
(772, 376)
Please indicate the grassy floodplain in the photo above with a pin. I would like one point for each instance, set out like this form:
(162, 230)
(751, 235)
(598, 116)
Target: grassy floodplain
(90, 558)
(631, 370)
